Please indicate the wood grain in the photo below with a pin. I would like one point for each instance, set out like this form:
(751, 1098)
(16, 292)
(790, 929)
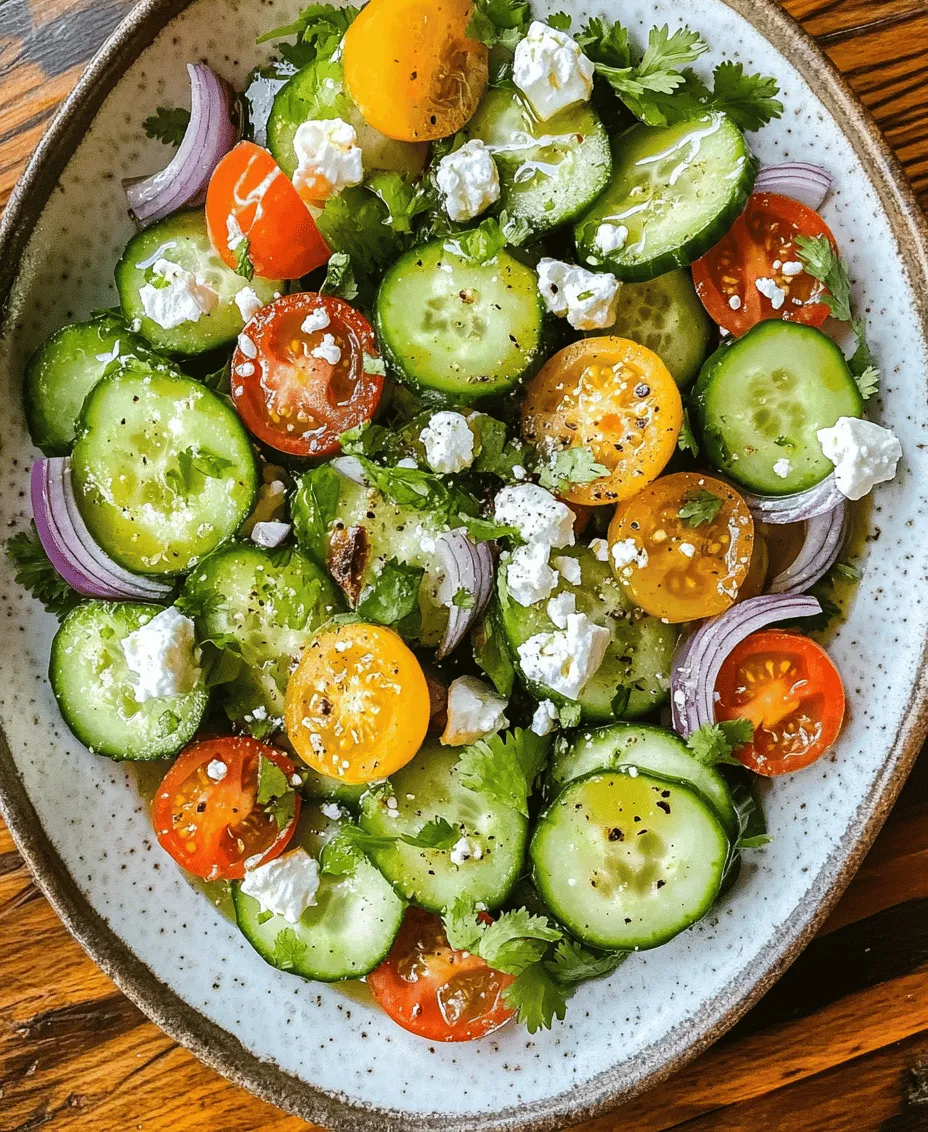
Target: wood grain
(840, 1044)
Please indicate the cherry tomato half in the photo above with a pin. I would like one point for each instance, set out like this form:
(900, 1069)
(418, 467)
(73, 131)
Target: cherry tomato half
(434, 991)
(299, 373)
(754, 272)
(411, 68)
(209, 819)
(791, 691)
(250, 198)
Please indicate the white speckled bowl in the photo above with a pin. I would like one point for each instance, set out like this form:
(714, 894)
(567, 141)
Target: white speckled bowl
(81, 824)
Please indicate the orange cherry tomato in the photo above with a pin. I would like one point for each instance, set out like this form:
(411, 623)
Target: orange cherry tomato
(209, 819)
(682, 547)
(434, 991)
(299, 385)
(788, 687)
(617, 399)
(412, 70)
(357, 707)
(761, 248)
(250, 198)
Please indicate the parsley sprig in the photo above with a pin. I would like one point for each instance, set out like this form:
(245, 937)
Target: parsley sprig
(715, 743)
(168, 124)
(699, 506)
(275, 793)
(571, 466)
(34, 572)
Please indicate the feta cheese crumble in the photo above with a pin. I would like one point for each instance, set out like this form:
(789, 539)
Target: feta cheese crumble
(863, 453)
(545, 718)
(782, 468)
(566, 660)
(610, 238)
(466, 850)
(561, 607)
(600, 549)
(328, 350)
(792, 267)
(536, 514)
(161, 655)
(328, 158)
(474, 711)
(317, 319)
(769, 289)
(625, 552)
(185, 297)
(587, 299)
(286, 886)
(270, 533)
(551, 70)
(529, 578)
(569, 569)
(216, 770)
(687, 549)
(248, 303)
(735, 302)
(449, 443)
(468, 180)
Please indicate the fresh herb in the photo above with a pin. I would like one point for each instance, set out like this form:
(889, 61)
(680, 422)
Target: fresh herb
(715, 743)
(393, 595)
(505, 766)
(435, 834)
(686, 442)
(749, 100)
(289, 950)
(463, 599)
(356, 222)
(275, 793)
(402, 200)
(868, 381)
(167, 125)
(348, 847)
(243, 264)
(699, 506)
(319, 29)
(568, 715)
(845, 572)
(499, 22)
(571, 466)
(497, 455)
(369, 439)
(314, 507)
(34, 571)
(339, 277)
(560, 20)
(190, 460)
(491, 653)
(481, 244)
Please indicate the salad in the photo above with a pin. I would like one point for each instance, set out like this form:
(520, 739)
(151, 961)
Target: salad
(453, 503)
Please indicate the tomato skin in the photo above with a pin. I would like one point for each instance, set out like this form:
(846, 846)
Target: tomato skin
(249, 187)
(292, 400)
(761, 237)
(212, 827)
(789, 688)
(423, 980)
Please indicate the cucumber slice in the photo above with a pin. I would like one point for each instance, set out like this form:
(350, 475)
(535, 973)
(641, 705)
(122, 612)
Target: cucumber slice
(163, 470)
(676, 190)
(628, 862)
(257, 98)
(461, 329)
(649, 749)
(183, 239)
(317, 91)
(95, 690)
(549, 171)
(429, 787)
(320, 788)
(638, 656)
(264, 605)
(665, 315)
(761, 399)
(344, 935)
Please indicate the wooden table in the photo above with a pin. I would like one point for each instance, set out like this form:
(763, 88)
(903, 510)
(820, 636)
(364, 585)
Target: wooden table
(840, 1044)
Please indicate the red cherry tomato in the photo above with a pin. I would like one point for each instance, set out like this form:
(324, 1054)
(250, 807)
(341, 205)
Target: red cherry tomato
(760, 248)
(250, 198)
(300, 381)
(209, 820)
(788, 687)
(434, 991)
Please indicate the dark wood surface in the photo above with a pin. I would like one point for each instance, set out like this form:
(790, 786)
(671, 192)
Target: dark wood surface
(839, 1045)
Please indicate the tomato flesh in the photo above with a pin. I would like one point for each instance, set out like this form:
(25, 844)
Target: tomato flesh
(209, 820)
(434, 991)
(754, 272)
(788, 687)
(300, 373)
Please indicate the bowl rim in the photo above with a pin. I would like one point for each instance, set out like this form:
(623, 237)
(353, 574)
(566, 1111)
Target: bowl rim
(220, 1049)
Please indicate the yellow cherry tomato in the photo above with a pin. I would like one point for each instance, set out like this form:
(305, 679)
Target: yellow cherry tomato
(683, 546)
(412, 70)
(617, 399)
(357, 707)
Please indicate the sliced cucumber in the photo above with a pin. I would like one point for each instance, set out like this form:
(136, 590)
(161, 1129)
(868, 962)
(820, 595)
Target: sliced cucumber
(264, 605)
(344, 935)
(549, 171)
(317, 91)
(95, 689)
(665, 315)
(649, 749)
(637, 658)
(460, 329)
(163, 470)
(627, 862)
(676, 190)
(427, 788)
(761, 399)
(257, 98)
(183, 239)
(320, 788)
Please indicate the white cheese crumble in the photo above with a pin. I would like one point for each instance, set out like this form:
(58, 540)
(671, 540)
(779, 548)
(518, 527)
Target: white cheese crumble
(782, 468)
(561, 607)
(863, 453)
(769, 289)
(474, 711)
(529, 578)
(328, 350)
(216, 770)
(449, 443)
(536, 514)
(248, 303)
(286, 886)
(185, 297)
(545, 718)
(317, 319)
(565, 661)
(328, 158)
(587, 299)
(332, 810)
(569, 569)
(735, 302)
(600, 548)
(610, 238)
(468, 180)
(625, 552)
(161, 655)
(466, 850)
(687, 549)
(551, 70)
(793, 267)
(270, 533)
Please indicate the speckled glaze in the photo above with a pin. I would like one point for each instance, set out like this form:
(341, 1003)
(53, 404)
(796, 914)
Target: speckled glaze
(79, 819)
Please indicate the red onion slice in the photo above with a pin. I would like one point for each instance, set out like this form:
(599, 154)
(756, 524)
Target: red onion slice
(818, 500)
(699, 659)
(823, 540)
(809, 184)
(208, 138)
(468, 566)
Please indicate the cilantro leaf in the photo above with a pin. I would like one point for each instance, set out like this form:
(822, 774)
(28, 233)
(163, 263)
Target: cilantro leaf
(402, 200)
(356, 222)
(499, 22)
(393, 595)
(505, 766)
(289, 950)
(823, 263)
(369, 439)
(463, 599)
(167, 125)
(686, 442)
(479, 245)
(492, 654)
(573, 964)
(275, 793)
(347, 848)
(754, 842)
(867, 381)
(243, 264)
(560, 20)
(435, 834)
(699, 507)
(537, 998)
(714, 742)
(605, 42)
(34, 572)
(571, 466)
(339, 277)
(496, 454)
(749, 100)
(319, 29)
(516, 940)
(314, 506)
(462, 928)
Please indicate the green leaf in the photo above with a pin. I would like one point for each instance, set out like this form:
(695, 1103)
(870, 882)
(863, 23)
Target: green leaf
(207, 463)
(714, 742)
(497, 455)
(320, 29)
(822, 262)
(462, 927)
(845, 572)
(754, 842)
(479, 245)
(505, 766)
(339, 277)
(393, 595)
(492, 654)
(34, 571)
(686, 442)
(402, 200)
(289, 950)
(499, 22)
(699, 506)
(463, 599)
(243, 264)
(167, 125)
(568, 715)
(347, 848)
(749, 100)
(369, 439)
(272, 782)
(605, 42)
(571, 466)
(314, 508)
(515, 940)
(560, 20)
(867, 381)
(435, 834)
(573, 964)
(537, 998)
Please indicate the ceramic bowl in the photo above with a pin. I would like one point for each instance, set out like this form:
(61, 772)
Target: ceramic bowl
(83, 828)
